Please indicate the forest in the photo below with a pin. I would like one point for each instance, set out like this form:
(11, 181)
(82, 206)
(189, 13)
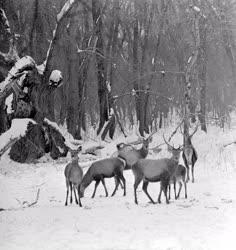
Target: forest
(120, 63)
(117, 92)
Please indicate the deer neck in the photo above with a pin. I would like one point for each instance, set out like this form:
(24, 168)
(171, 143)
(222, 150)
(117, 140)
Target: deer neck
(87, 179)
(187, 141)
(173, 159)
(75, 161)
(143, 152)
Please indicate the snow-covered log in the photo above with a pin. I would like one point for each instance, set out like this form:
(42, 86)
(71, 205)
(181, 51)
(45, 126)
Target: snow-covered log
(18, 129)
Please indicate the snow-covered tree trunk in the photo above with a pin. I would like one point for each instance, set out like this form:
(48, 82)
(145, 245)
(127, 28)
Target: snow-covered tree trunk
(136, 76)
(202, 72)
(190, 67)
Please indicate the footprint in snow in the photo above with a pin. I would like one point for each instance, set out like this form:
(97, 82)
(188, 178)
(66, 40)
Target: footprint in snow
(212, 207)
(226, 200)
(193, 200)
(184, 205)
(207, 194)
(87, 208)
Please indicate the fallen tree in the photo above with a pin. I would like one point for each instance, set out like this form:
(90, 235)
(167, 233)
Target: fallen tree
(25, 94)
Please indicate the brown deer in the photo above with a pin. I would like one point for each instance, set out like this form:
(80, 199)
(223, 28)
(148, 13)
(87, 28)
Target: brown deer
(189, 153)
(159, 170)
(73, 174)
(130, 154)
(179, 176)
(106, 168)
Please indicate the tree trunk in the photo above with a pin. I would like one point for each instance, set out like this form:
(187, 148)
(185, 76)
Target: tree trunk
(103, 93)
(136, 81)
(202, 68)
(189, 71)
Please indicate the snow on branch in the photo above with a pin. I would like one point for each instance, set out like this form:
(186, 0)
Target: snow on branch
(67, 6)
(12, 54)
(17, 130)
(196, 9)
(21, 65)
(5, 22)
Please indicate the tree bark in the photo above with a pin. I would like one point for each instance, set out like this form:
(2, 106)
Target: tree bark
(103, 93)
(202, 70)
(189, 70)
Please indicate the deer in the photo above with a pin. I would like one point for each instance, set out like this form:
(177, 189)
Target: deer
(106, 168)
(73, 175)
(179, 176)
(189, 153)
(160, 170)
(130, 154)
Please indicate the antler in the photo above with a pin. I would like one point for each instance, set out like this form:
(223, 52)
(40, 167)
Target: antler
(151, 134)
(174, 132)
(180, 147)
(166, 141)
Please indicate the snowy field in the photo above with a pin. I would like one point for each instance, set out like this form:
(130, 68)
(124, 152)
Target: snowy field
(206, 220)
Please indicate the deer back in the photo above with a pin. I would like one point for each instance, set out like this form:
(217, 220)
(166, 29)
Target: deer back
(105, 167)
(153, 169)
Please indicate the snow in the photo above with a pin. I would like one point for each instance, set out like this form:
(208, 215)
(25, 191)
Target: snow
(196, 9)
(64, 9)
(22, 63)
(41, 68)
(56, 76)
(6, 21)
(8, 104)
(205, 220)
(18, 128)
(69, 140)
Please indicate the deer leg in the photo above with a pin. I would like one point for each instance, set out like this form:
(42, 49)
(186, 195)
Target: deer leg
(71, 199)
(122, 178)
(180, 187)
(95, 188)
(175, 188)
(117, 182)
(74, 188)
(159, 196)
(78, 189)
(136, 183)
(169, 187)
(188, 178)
(185, 190)
(165, 187)
(145, 185)
(192, 173)
(104, 185)
(67, 192)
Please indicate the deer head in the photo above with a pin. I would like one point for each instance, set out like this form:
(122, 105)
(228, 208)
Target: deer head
(174, 151)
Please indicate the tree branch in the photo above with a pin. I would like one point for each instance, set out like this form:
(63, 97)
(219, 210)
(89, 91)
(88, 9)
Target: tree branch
(56, 33)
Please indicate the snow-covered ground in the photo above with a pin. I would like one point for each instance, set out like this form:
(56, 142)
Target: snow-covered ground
(206, 220)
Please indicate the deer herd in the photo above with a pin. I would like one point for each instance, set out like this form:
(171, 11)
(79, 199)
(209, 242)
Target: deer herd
(167, 171)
